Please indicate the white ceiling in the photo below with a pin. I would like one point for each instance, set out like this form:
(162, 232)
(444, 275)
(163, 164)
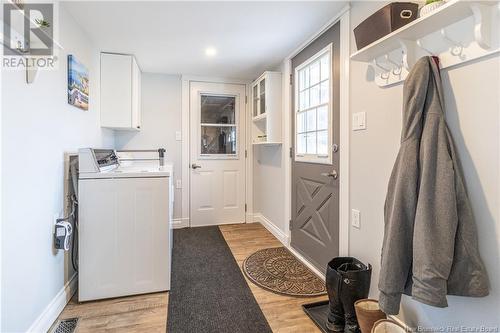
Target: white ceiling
(171, 37)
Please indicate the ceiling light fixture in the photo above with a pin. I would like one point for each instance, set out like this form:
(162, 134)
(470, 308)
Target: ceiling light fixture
(210, 51)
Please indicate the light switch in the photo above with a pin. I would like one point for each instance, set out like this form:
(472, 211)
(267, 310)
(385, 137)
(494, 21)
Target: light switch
(359, 121)
(178, 136)
(356, 218)
(178, 183)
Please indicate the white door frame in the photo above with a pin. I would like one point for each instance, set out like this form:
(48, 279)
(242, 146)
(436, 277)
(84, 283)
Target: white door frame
(186, 150)
(344, 216)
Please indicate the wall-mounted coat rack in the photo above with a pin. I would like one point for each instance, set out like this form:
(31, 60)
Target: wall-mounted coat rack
(457, 32)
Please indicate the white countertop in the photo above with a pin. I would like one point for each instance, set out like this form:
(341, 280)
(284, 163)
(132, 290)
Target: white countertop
(133, 169)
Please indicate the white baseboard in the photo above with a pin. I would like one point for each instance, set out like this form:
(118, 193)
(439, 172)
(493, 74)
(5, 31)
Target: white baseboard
(272, 228)
(180, 223)
(284, 239)
(45, 320)
(250, 218)
(299, 256)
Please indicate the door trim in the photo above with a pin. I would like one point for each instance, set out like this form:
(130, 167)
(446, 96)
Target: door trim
(186, 147)
(344, 216)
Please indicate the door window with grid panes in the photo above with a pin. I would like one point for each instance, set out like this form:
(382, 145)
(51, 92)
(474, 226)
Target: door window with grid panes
(218, 126)
(313, 116)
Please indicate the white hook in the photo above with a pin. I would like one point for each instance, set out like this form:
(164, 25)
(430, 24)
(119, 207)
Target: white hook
(398, 67)
(385, 75)
(457, 47)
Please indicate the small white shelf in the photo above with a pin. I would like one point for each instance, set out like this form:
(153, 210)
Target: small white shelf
(266, 143)
(260, 117)
(457, 32)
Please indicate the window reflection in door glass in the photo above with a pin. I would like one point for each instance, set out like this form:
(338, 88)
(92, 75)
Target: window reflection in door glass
(218, 125)
(217, 109)
(218, 140)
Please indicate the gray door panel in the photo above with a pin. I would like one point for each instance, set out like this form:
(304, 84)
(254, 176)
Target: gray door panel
(315, 196)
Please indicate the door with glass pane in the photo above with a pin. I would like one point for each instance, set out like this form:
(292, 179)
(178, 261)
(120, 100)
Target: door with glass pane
(315, 161)
(217, 153)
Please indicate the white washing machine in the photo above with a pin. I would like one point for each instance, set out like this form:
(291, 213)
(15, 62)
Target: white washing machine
(125, 235)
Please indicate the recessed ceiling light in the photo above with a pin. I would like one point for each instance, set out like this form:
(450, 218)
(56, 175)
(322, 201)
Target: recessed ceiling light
(210, 51)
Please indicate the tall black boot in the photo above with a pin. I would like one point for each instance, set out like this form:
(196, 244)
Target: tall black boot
(355, 285)
(336, 319)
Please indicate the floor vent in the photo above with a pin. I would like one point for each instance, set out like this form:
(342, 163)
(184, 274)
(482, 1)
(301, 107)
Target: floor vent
(65, 326)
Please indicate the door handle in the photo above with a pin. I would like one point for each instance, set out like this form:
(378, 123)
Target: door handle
(332, 174)
(195, 166)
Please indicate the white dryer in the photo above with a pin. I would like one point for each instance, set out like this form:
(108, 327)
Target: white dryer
(125, 236)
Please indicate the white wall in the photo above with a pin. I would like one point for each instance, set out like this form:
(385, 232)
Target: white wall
(269, 177)
(38, 127)
(472, 113)
(161, 118)
(268, 184)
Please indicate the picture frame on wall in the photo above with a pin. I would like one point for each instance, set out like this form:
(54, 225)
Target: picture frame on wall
(78, 84)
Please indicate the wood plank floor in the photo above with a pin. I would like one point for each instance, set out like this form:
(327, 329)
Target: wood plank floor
(148, 313)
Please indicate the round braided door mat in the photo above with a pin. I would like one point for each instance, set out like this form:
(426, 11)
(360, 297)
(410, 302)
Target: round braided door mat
(277, 270)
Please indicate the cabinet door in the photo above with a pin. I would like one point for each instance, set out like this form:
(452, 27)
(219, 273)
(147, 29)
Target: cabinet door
(255, 100)
(116, 90)
(136, 95)
(262, 96)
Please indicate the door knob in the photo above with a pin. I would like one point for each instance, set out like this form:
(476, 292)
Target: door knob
(332, 174)
(195, 166)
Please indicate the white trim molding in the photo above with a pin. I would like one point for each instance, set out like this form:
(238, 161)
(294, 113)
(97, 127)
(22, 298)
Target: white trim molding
(49, 315)
(185, 146)
(272, 228)
(250, 218)
(182, 222)
(344, 18)
(344, 11)
(344, 205)
(283, 238)
(299, 256)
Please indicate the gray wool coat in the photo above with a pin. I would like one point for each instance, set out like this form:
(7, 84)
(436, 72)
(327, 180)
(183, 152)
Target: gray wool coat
(430, 247)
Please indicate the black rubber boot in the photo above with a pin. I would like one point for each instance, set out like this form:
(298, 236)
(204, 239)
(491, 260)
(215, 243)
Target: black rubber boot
(355, 285)
(336, 320)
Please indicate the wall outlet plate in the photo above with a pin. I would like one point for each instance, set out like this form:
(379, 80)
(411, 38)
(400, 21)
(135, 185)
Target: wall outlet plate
(356, 218)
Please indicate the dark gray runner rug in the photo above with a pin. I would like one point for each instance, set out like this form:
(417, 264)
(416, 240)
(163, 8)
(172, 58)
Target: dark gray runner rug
(208, 291)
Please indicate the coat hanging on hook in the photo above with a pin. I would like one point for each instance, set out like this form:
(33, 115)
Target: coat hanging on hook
(430, 245)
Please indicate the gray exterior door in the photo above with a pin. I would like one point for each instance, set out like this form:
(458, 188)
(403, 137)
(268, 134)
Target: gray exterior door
(315, 186)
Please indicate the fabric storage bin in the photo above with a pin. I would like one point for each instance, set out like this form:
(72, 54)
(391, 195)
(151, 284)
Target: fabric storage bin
(384, 21)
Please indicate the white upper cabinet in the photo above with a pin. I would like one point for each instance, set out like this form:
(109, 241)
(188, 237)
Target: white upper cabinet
(120, 92)
(266, 109)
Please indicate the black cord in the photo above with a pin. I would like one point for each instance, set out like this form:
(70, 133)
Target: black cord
(74, 238)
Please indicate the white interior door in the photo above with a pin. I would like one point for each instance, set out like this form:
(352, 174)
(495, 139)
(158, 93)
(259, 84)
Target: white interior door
(217, 136)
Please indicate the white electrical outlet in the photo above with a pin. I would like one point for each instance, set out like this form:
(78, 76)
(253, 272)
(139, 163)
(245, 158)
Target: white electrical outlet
(356, 218)
(178, 183)
(359, 121)
(178, 136)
